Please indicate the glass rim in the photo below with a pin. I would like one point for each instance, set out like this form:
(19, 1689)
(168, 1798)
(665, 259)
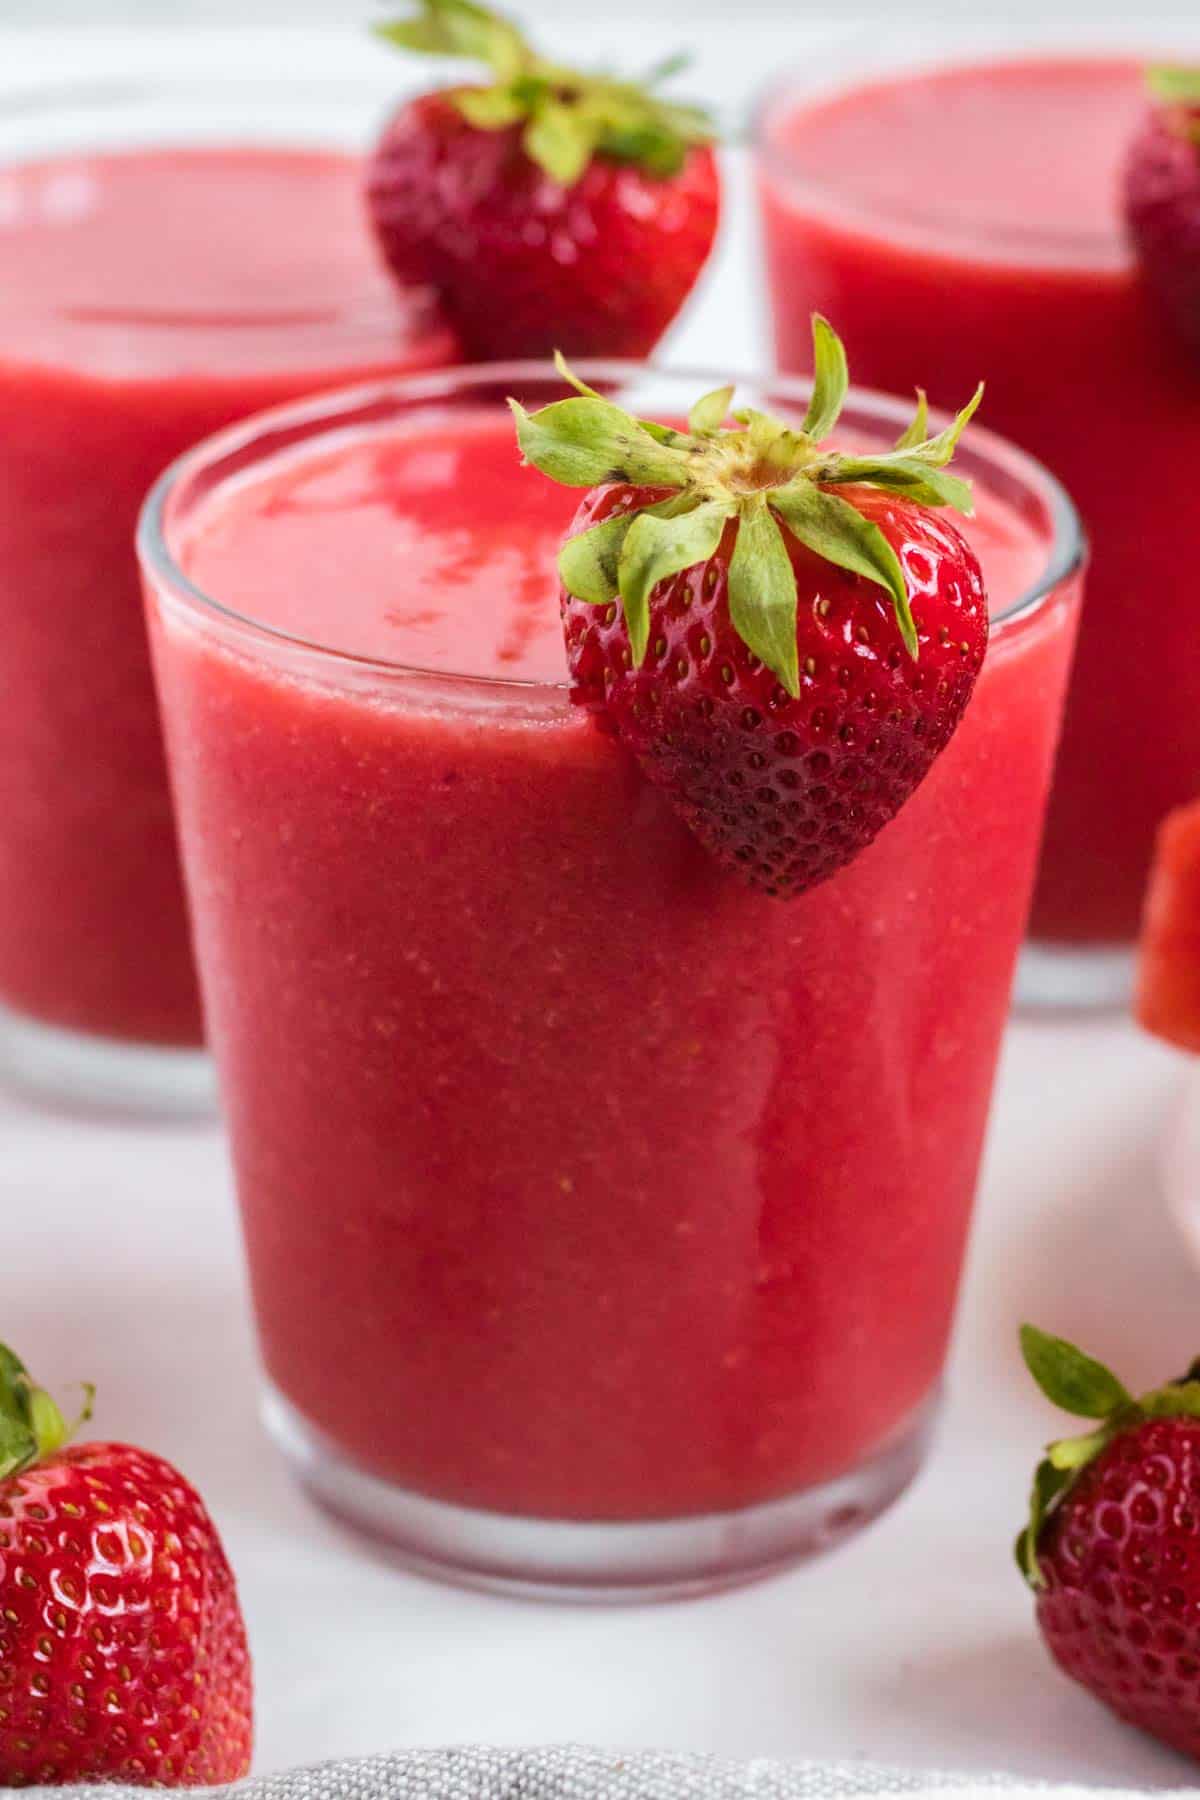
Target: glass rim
(337, 410)
(1029, 246)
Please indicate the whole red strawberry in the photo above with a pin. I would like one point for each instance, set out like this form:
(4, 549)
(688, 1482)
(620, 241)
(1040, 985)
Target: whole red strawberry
(122, 1648)
(550, 208)
(1112, 1547)
(785, 637)
(1162, 197)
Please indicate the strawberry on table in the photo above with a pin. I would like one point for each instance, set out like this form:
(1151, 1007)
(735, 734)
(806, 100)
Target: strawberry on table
(122, 1648)
(547, 207)
(1112, 1546)
(1162, 196)
(1168, 999)
(783, 635)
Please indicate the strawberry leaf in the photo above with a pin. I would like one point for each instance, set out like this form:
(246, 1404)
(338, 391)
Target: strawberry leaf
(585, 442)
(1179, 1400)
(587, 564)
(31, 1425)
(662, 71)
(831, 380)
(1072, 1453)
(939, 450)
(918, 431)
(835, 530)
(572, 379)
(901, 474)
(1048, 1484)
(489, 108)
(710, 412)
(560, 140)
(1176, 86)
(1076, 1382)
(18, 1447)
(762, 592)
(656, 547)
(460, 28)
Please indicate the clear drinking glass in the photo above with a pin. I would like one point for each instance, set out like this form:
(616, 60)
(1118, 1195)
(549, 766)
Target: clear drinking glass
(148, 299)
(956, 277)
(604, 1217)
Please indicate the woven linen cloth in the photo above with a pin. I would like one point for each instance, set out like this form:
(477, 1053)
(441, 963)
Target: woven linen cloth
(570, 1773)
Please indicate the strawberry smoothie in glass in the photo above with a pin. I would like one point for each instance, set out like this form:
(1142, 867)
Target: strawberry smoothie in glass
(173, 258)
(604, 1216)
(968, 221)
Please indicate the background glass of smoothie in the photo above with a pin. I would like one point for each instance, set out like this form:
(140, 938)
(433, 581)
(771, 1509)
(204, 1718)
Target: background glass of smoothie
(604, 1217)
(173, 257)
(966, 222)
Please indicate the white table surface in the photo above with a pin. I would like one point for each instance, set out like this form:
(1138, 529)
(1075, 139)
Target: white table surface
(914, 1644)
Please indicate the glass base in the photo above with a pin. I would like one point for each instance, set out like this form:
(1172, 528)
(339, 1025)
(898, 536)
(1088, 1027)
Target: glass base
(1074, 978)
(77, 1072)
(565, 1560)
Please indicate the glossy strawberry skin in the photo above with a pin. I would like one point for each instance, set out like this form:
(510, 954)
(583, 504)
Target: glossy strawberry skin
(123, 1652)
(786, 791)
(1162, 205)
(523, 265)
(1120, 1556)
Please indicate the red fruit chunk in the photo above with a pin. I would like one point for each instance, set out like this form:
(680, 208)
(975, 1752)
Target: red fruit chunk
(1168, 1000)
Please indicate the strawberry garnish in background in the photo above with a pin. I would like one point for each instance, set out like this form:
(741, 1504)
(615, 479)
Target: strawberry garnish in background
(123, 1652)
(1112, 1546)
(1162, 197)
(548, 207)
(1168, 997)
(783, 635)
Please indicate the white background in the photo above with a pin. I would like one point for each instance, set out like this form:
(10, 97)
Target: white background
(786, 17)
(912, 1645)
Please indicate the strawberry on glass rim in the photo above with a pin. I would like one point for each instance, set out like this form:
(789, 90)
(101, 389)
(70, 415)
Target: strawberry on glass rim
(123, 1652)
(1162, 196)
(1111, 1547)
(783, 634)
(546, 207)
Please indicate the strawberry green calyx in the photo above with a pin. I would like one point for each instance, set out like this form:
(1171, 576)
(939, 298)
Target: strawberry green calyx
(31, 1425)
(567, 117)
(1178, 89)
(773, 480)
(1176, 85)
(1084, 1387)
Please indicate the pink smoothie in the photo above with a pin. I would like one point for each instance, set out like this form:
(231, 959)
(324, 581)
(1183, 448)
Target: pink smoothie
(578, 1180)
(147, 298)
(966, 224)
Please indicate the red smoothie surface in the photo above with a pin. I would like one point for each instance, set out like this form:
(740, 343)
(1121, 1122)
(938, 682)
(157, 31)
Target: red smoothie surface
(148, 298)
(578, 1180)
(967, 223)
